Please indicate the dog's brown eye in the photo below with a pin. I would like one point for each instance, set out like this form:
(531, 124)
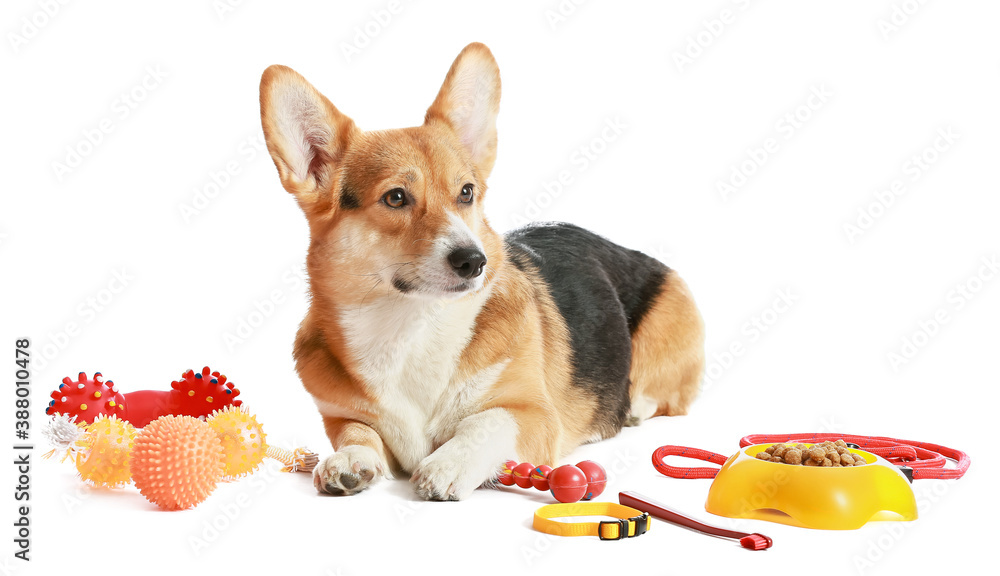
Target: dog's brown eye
(395, 198)
(466, 195)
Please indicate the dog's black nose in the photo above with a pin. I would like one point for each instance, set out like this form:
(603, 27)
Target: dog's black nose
(467, 262)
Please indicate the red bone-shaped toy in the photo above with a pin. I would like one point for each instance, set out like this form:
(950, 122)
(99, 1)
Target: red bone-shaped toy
(195, 394)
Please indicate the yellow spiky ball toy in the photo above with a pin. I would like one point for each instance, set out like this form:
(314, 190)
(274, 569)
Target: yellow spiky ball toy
(242, 438)
(103, 453)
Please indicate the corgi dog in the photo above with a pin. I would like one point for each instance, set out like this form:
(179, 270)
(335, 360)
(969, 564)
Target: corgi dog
(436, 348)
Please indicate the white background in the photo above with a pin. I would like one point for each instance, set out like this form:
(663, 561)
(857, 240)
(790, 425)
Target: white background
(893, 75)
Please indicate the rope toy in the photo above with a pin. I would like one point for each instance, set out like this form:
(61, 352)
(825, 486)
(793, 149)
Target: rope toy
(62, 433)
(298, 460)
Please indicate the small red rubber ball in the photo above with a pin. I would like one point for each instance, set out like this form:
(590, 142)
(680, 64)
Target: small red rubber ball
(505, 478)
(522, 474)
(597, 479)
(568, 484)
(540, 477)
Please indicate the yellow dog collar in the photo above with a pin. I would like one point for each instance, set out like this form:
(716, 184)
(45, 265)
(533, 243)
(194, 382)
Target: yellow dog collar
(629, 524)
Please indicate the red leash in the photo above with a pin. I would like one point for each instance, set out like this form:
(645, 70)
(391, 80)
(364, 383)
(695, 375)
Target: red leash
(925, 459)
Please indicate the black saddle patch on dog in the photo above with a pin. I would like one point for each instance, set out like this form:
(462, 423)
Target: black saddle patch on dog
(602, 291)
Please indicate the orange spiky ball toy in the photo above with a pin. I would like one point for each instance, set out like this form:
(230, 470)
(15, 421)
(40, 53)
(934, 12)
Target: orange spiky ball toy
(176, 462)
(242, 438)
(104, 452)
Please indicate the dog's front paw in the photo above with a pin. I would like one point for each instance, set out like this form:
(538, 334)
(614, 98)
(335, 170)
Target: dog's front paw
(348, 471)
(439, 477)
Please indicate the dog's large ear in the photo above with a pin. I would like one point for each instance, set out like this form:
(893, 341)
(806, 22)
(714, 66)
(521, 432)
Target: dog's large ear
(469, 101)
(305, 134)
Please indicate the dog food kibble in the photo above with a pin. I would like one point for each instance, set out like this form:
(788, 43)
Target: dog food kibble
(793, 456)
(826, 454)
(817, 453)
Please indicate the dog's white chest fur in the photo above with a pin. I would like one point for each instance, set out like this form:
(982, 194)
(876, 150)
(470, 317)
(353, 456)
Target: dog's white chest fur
(407, 350)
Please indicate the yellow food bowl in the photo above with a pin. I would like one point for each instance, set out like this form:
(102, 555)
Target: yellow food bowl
(838, 498)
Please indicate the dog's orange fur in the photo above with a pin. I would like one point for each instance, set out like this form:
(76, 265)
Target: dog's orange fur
(522, 323)
(668, 355)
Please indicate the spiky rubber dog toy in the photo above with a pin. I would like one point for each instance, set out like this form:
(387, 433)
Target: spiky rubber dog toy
(196, 394)
(87, 398)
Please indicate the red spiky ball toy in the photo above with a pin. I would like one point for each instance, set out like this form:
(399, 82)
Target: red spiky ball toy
(195, 394)
(87, 398)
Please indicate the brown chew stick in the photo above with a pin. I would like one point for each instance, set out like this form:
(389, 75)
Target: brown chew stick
(753, 541)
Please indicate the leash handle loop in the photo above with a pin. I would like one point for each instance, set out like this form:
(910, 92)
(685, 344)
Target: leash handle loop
(678, 472)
